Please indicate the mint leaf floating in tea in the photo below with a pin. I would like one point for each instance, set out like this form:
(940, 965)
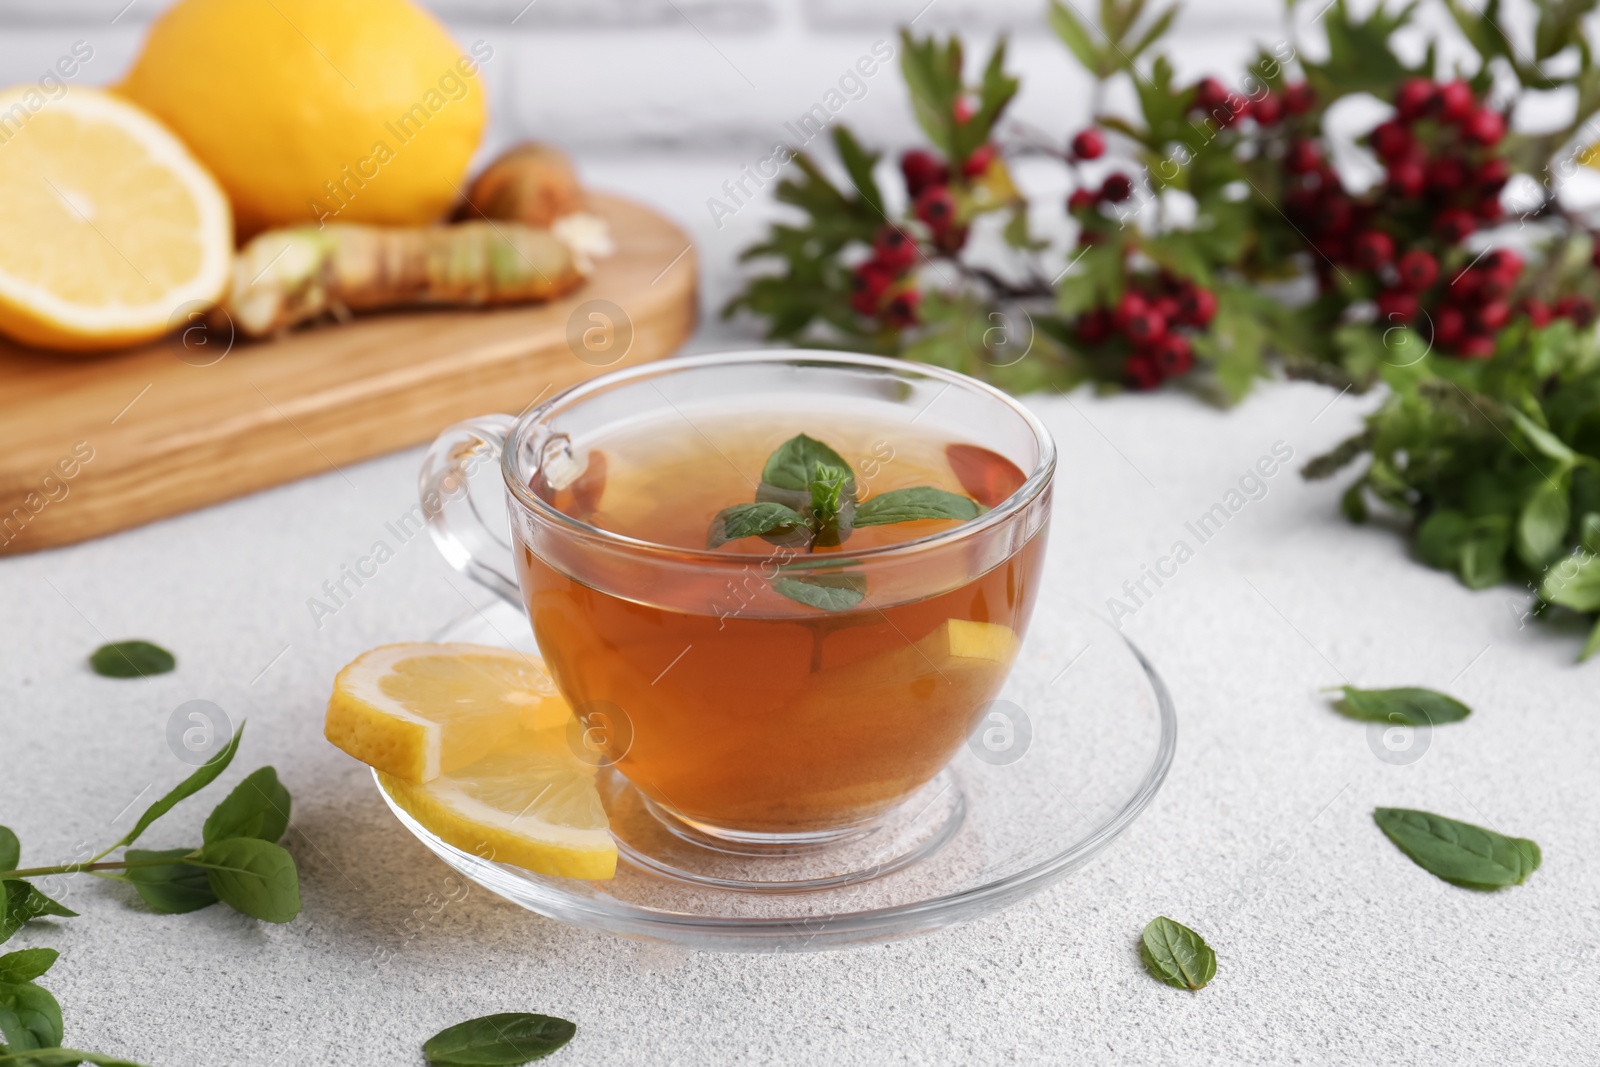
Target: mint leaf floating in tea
(751, 520)
(1176, 954)
(807, 496)
(131, 659)
(908, 505)
(503, 1040)
(1458, 852)
(1403, 706)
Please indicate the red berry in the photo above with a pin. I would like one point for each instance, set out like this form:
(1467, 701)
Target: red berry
(1298, 98)
(1504, 262)
(1089, 144)
(1130, 305)
(1080, 200)
(936, 208)
(902, 309)
(1456, 101)
(1333, 215)
(1489, 209)
(1268, 110)
(978, 163)
(1145, 328)
(1095, 326)
(1167, 307)
(1408, 179)
(1373, 249)
(1140, 371)
(1485, 126)
(1414, 99)
(1303, 158)
(1491, 177)
(1577, 308)
(1197, 306)
(951, 239)
(870, 281)
(922, 170)
(1392, 141)
(1454, 225)
(1396, 306)
(893, 249)
(1538, 311)
(1209, 94)
(1449, 326)
(963, 110)
(1476, 346)
(1445, 176)
(1418, 270)
(1488, 285)
(1116, 188)
(1174, 355)
(1492, 315)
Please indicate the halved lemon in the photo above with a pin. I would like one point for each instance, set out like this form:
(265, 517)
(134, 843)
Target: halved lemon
(416, 711)
(109, 227)
(530, 803)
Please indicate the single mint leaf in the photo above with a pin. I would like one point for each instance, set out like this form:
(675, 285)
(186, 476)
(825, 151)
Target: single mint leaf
(253, 876)
(1543, 439)
(23, 904)
(131, 659)
(26, 965)
(1542, 525)
(257, 807)
(830, 592)
(1573, 582)
(504, 1040)
(171, 888)
(61, 1057)
(923, 502)
(30, 1017)
(10, 850)
(749, 520)
(1459, 853)
(1176, 954)
(204, 776)
(794, 462)
(1405, 706)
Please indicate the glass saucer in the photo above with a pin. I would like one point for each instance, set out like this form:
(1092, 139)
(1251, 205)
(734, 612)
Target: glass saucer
(1074, 750)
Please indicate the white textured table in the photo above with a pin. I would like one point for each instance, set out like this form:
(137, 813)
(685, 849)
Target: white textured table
(1332, 946)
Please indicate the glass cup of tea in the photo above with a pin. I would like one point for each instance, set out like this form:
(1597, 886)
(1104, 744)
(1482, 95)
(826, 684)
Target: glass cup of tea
(777, 588)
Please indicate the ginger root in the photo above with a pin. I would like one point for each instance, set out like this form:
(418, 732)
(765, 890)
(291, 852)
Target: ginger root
(530, 183)
(285, 277)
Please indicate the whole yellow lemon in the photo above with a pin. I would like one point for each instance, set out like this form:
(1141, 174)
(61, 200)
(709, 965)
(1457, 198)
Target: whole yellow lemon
(310, 110)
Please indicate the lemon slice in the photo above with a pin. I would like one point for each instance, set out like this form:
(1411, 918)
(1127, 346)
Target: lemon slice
(530, 803)
(108, 226)
(417, 711)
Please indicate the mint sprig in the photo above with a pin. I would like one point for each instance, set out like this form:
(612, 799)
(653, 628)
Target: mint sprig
(807, 497)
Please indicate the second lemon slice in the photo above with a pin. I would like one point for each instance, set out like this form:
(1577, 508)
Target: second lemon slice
(530, 803)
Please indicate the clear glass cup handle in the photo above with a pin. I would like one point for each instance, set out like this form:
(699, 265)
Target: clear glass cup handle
(468, 541)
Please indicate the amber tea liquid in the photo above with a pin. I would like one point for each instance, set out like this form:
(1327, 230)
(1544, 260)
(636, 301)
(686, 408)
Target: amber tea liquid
(750, 713)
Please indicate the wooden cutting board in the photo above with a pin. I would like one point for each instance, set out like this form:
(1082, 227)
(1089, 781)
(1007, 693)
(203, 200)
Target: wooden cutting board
(89, 446)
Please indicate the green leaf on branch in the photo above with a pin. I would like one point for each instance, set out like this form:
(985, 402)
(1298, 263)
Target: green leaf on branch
(1078, 39)
(173, 888)
(26, 965)
(1573, 582)
(507, 1039)
(1177, 955)
(204, 776)
(30, 1017)
(253, 876)
(10, 850)
(23, 904)
(257, 807)
(1457, 852)
(1404, 706)
(1542, 524)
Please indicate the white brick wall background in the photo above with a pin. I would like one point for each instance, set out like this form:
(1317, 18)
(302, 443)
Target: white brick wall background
(693, 75)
